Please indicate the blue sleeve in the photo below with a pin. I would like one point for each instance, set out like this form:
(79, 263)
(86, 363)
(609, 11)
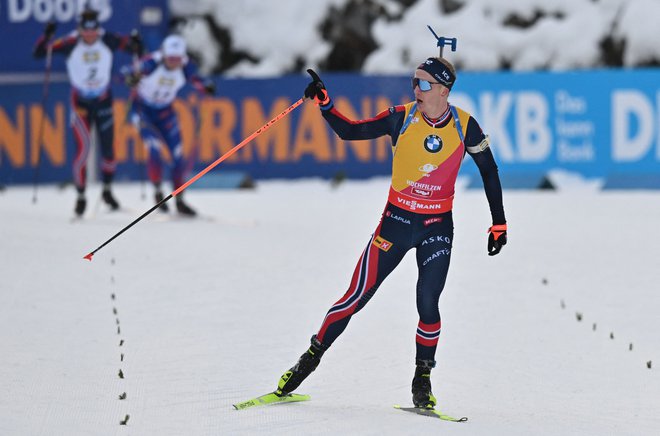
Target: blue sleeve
(193, 77)
(146, 66)
(387, 122)
(488, 169)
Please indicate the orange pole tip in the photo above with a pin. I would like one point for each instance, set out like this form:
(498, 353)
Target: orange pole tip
(89, 257)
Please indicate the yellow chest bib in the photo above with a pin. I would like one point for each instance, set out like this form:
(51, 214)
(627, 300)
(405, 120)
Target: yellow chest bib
(427, 159)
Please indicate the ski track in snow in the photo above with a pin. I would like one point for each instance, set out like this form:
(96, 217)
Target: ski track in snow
(212, 311)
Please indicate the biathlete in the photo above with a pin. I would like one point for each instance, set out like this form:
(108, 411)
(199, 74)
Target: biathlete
(158, 78)
(89, 54)
(429, 140)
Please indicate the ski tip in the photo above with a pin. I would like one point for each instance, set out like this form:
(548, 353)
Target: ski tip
(89, 257)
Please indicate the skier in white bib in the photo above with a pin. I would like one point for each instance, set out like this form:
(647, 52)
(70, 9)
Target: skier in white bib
(89, 54)
(158, 78)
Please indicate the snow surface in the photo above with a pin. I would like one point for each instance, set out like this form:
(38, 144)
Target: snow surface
(213, 310)
(567, 36)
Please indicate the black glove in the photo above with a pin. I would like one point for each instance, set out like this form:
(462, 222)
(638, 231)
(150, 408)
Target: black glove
(135, 45)
(209, 88)
(316, 89)
(49, 30)
(132, 79)
(496, 238)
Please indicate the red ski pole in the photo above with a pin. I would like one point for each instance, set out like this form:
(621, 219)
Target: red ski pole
(222, 158)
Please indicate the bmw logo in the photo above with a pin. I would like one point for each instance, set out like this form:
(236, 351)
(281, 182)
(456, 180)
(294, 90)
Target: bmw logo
(433, 143)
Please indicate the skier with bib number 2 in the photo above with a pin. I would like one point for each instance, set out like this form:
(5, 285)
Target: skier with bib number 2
(89, 57)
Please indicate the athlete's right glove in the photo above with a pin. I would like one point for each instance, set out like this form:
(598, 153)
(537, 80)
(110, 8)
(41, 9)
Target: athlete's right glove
(135, 43)
(316, 89)
(49, 30)
(496, 238)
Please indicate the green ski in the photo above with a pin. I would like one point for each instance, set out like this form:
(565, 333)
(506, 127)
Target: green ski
(271, 398)
(431, 412)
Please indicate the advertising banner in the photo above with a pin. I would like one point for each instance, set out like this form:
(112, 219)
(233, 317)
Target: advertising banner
(599, 124)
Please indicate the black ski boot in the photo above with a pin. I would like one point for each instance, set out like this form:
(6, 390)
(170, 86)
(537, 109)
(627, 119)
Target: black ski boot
(307, 363)
(81, 204)
(183, 208)
(421, 385)
(109, 199)
(159, 197)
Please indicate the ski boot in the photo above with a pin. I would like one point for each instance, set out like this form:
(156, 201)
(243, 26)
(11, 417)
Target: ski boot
(183, 208)
(158, 196)
(307, 363)
(421, 385)
(109, 199)
(81, 204)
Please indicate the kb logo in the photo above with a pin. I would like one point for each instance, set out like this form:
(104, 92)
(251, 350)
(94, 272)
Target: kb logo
(433, 143)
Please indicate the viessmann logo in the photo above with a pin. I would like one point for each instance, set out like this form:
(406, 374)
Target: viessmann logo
(414, 205)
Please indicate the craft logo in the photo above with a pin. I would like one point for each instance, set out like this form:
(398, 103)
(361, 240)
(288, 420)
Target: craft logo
(382, 243)
(433, 143)
(437, 254)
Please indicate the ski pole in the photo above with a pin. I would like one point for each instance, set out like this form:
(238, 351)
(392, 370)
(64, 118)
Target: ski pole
(44, 99)
(222, 158)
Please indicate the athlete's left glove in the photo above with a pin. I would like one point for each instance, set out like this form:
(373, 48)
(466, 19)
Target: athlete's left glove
(316, 89)
(135, 45)
(496, 238)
